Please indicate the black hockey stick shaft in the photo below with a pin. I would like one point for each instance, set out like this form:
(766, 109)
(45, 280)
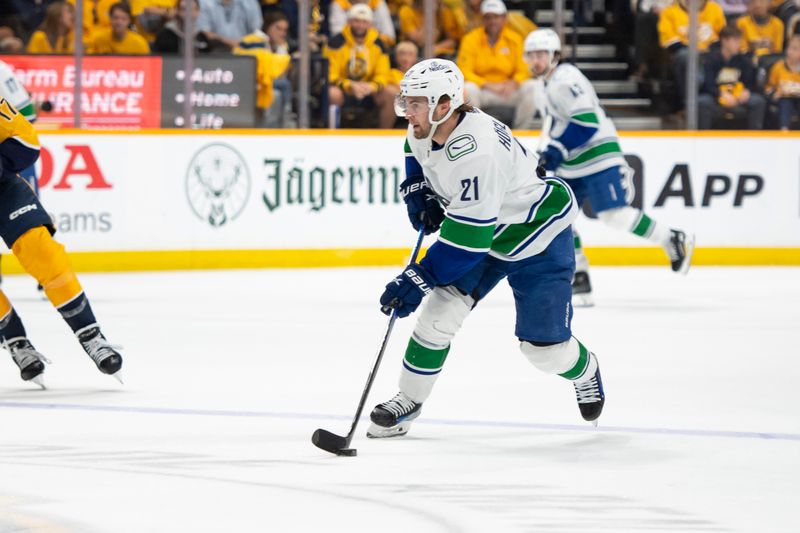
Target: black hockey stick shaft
(381, 350)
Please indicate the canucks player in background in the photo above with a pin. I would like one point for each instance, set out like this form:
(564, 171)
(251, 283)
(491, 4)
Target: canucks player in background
(27, 230)
(500, 220)
(584, 149)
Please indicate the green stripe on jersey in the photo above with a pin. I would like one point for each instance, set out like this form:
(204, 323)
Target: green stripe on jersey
(557, 199)
(422, 357)
(465, 235)
(407, 147)
(594, 151)
(28, 111)
(588, 118)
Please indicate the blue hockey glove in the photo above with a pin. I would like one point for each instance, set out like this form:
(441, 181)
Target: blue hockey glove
(423, 208)
(552, 156)
(405, 292)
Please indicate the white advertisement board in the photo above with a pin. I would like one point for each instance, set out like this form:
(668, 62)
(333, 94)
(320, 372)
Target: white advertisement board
(245, 191)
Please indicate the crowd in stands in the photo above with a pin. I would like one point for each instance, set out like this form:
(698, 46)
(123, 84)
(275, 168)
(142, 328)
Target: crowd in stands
(749, 65)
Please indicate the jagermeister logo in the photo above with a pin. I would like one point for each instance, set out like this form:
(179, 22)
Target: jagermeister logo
(217, 184)
(317, 187)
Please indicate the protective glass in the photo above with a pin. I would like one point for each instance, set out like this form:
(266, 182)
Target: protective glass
(402, 107)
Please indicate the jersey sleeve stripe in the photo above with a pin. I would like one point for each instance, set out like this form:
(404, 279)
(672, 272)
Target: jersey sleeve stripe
(470, 220)
(466, 236)
(586, 118)
(536, 204)
(462, 247)
(595, 151)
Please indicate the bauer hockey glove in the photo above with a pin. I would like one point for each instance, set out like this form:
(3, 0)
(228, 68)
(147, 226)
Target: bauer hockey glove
(405, 292)
(423, 208)
(552, 156)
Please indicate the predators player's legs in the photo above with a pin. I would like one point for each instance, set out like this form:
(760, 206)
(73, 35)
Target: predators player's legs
(610, 192)
(26, 228)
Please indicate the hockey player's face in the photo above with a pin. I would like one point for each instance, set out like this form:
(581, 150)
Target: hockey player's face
(538, 61)
(416, 112)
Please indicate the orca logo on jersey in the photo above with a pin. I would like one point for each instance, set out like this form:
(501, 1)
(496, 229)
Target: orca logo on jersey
(217, 184)
(461, 146)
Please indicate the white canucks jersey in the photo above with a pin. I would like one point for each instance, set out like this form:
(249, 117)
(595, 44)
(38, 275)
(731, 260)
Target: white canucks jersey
(13, 91)
(570, 98)
(495, 203)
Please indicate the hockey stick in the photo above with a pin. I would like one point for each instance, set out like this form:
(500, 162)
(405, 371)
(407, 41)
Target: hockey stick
(330, 442)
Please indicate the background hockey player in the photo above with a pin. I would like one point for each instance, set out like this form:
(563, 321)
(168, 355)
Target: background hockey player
(500, 221)
(27, 230)
(584, 149)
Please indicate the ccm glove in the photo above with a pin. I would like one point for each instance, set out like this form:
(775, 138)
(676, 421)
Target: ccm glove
(552, 156)
(405, 292)
(424, 210)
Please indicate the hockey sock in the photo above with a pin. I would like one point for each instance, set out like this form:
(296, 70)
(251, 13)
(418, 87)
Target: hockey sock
(637, 222)
(570, 359)
(584, 366)
(77, 313)
(421, 367)
(45, 259)
(10, 324)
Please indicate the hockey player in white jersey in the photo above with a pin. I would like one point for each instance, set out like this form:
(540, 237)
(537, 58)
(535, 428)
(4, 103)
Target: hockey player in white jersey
(584, 149)
(468, 177)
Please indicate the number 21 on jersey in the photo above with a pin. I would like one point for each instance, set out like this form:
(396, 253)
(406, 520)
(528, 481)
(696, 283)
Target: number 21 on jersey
(470, 189)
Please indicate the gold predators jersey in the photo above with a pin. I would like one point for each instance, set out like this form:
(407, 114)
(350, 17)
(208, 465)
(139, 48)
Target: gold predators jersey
(19, 144)
(673, 25)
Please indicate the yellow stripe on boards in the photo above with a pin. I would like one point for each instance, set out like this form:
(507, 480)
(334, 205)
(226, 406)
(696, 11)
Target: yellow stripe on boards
(217, 259)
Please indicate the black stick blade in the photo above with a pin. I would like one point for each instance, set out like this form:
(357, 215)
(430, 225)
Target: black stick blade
(325, 440)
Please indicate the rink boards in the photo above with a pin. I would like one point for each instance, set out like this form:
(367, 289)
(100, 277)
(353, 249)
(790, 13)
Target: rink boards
(247, 198)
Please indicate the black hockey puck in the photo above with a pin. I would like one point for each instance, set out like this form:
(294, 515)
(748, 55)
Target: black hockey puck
(46, 106)
(347, 452)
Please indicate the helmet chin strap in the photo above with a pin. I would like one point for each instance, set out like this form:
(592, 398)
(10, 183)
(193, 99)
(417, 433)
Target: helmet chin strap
(434, 125)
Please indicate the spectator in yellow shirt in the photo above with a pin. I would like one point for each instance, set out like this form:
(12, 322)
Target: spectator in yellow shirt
(783, 84)
(55, 35)
(515, 19)
(763, 33)
(495, 72)
(119, 39)
(406, 55)
(673, 33)
(359, 67)
(449, 28)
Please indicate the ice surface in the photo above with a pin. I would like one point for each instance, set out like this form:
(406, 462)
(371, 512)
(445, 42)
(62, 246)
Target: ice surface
(228, 373)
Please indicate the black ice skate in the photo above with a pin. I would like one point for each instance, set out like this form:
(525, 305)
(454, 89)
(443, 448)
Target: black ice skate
(590, 397)
(103, 353)
(680, 248)
(30, 362)
(582, 290)
(393, 418)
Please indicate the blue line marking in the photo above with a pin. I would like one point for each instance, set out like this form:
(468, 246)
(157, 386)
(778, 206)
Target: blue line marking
(758, 435)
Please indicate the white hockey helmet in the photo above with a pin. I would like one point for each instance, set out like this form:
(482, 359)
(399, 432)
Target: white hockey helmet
(543, 39)
(432, 78)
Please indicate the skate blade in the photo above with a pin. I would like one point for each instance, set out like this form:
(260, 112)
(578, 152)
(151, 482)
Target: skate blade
(689, 251)
(39, 380)
(594, 423)
(118, 376)
(582, 300)
(379, 432)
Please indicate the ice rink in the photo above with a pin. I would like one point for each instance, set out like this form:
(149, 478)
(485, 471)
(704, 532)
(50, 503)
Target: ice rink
(228, 373)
